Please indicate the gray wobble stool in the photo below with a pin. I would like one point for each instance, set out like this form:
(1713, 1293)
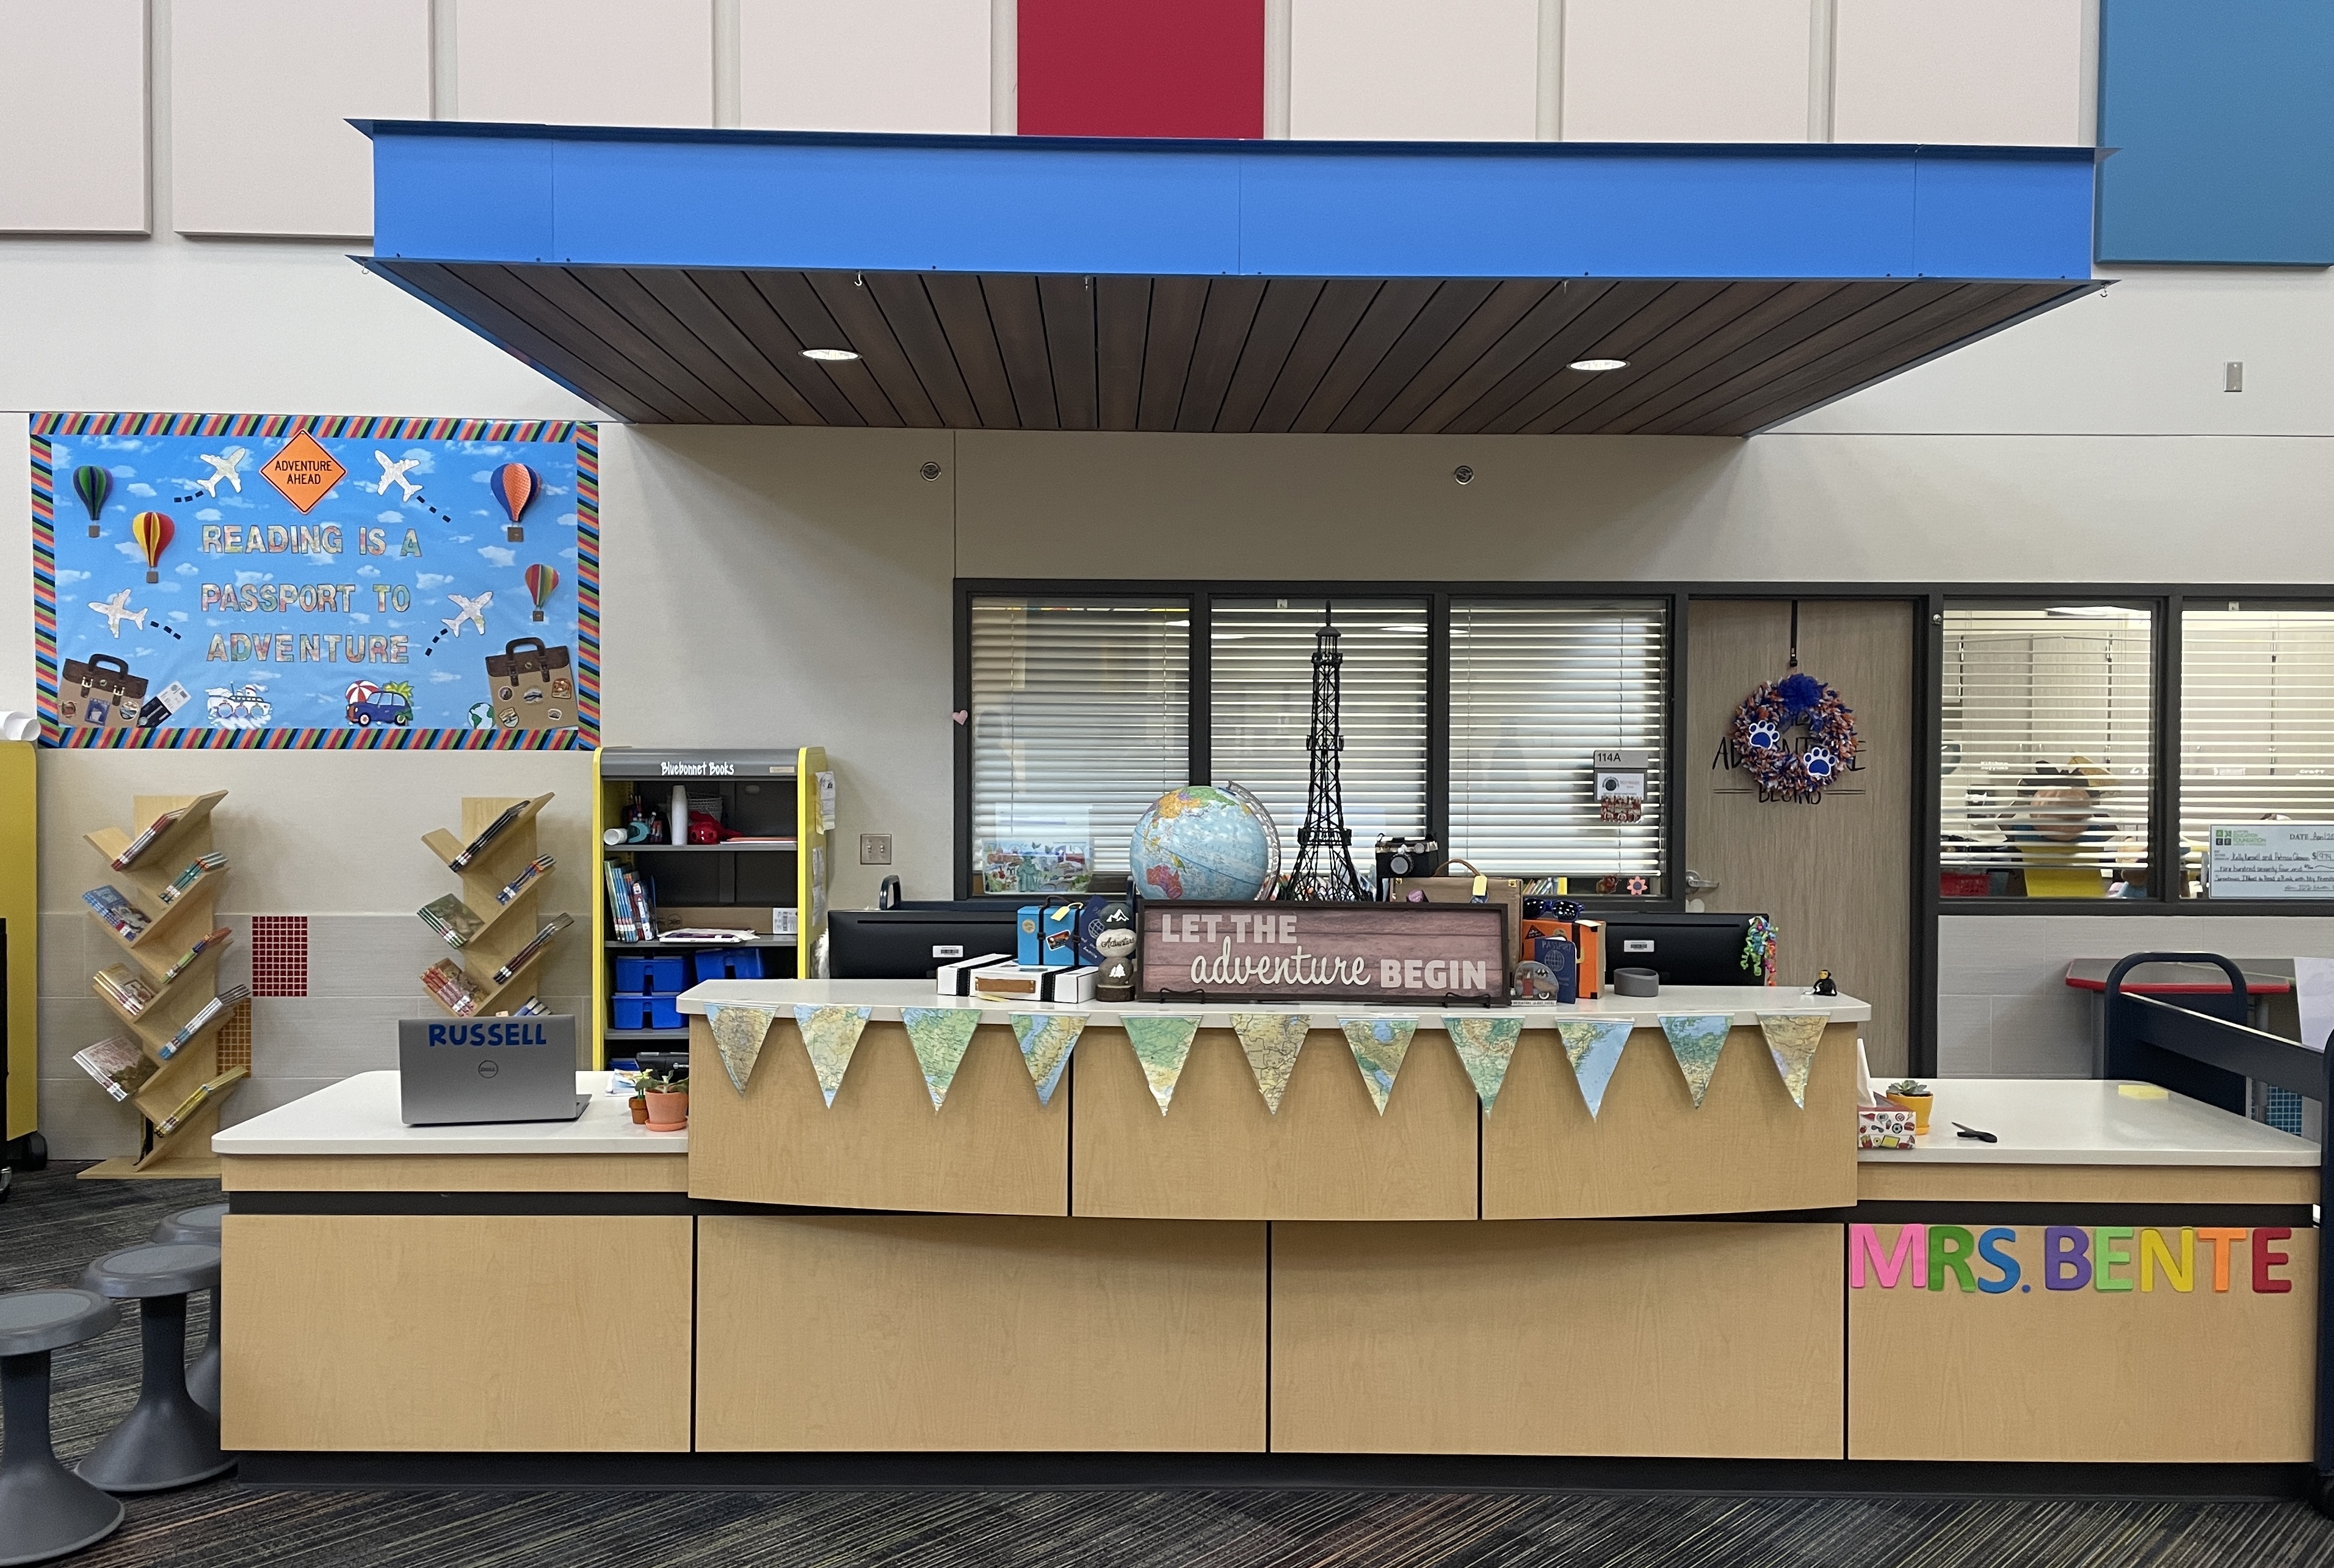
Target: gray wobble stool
(200, 1224)
(46, 1510)
(167, 1440)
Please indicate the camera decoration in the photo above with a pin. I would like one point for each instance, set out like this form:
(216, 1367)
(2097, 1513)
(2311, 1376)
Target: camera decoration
(1759, 739)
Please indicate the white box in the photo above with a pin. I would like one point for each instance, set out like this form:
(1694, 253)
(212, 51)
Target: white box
(1020, 983)
(956, 979)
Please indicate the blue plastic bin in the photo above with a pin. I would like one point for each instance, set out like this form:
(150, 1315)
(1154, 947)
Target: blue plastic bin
(643, 1012)
(631, 973)
(667, 975)
(729, 964)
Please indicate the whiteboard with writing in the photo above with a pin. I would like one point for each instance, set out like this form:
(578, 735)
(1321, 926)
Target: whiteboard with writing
(2270, 861)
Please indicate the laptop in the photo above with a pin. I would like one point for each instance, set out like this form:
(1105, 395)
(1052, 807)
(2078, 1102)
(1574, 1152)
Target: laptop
(454, 1070)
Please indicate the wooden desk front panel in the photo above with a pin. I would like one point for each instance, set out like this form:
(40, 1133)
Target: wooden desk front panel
(1649, 1151)
(455, 1173)
(454, 1333)
(1219, 1153)
(992, 1149)
(2130, 1377)
(1935, 1181)
(1550, 1337)
(893, 1333)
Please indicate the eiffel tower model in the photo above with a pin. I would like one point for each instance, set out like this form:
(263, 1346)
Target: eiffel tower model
(1324, 873)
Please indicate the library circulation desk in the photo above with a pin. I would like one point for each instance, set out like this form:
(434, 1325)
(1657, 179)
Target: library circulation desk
(1088, 1274)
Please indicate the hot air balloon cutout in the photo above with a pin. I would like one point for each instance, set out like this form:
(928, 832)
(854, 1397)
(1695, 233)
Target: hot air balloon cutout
(153, 532)
(93, 484)
(540, 582)
(516, 486)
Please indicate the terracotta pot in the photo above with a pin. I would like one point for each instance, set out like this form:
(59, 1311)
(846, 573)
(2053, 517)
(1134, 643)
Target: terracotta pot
(640, 1108)
(1918, 1105)
(668, 1113)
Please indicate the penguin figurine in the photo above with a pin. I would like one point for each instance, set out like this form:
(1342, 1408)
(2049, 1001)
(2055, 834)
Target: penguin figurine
(1114, 945)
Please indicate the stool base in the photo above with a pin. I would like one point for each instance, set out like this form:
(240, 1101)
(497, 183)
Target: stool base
(46, 1510)
(167, 1440)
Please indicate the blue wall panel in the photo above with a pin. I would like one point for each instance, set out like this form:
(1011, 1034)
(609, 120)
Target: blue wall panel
(2223, 119)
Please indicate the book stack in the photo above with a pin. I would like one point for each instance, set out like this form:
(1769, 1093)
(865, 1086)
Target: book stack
(518, 884)
(117, 1065)
(530, 1007)
(218, 938)
(199, 867)
(209, 1013)
(485, 840)
(194, 1101)
(452, 920)
(146, 841)
(446, 981)
(631, 905)
(526, 955)
(125, 919)
(125, 988)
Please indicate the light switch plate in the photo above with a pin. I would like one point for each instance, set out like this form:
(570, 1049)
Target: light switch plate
(874, 848)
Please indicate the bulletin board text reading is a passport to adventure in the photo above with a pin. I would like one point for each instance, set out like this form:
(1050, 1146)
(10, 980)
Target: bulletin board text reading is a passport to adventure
(325, 581)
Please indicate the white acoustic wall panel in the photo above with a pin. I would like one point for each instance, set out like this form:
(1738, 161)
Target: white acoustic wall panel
(2004, 72)
(900, 66)
(584, 62)
(259, 92)
(1413, 70)
(73, 117)
(1685, 70)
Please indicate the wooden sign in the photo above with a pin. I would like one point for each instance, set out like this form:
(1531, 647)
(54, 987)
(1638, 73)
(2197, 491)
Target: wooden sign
(1425, 954)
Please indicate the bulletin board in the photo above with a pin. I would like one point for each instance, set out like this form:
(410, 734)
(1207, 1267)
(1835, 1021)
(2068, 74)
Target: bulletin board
(322, 581)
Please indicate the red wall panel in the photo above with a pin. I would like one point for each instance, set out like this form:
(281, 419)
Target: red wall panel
(1141, 68)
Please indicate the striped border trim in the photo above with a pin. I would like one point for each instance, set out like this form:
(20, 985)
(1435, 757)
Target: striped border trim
(585, 737)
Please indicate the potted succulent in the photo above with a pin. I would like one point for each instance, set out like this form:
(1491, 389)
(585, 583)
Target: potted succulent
(1914, 1096)
(666, 1094)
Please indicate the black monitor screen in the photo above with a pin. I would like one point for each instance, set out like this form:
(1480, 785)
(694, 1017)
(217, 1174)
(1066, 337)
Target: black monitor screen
(911, 943)
(1682, 950)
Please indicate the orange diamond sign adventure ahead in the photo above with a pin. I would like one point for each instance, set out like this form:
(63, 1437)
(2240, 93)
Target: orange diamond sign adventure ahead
(304, 471)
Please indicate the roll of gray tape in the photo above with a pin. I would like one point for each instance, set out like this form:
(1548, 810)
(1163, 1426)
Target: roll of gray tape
(1636, 983)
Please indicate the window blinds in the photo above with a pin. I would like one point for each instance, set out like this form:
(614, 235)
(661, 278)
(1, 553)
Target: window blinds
(1080, 718)
(1261, 697)
(1535, 690)
(2256, 721)
(2044, 748)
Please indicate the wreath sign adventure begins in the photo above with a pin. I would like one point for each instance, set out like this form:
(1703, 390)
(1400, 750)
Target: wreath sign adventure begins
(1759, 739)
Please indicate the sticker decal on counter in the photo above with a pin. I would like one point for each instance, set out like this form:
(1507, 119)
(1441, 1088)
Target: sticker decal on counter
(2108, 1258)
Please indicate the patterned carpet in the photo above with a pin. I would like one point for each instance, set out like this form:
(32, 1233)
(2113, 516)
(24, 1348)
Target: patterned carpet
(53, 1224)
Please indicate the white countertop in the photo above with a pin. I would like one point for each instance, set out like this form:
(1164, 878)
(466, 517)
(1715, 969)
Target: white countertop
(2088, 1121)
(886, 997)
(358, 1116)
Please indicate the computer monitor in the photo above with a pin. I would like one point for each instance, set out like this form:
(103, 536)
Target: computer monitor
(911, 943)
(1682, 950)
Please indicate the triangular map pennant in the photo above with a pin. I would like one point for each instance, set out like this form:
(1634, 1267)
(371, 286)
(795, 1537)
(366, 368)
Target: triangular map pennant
(1272, 1041)
(1695, 1040)
(830, 1035)
(1593, 1049)
(1162, 1046)
(1379, 1045)
(1791, 1040)
(738, 1033)
(939, 1035)
(1045, 1041)
(1485, 1046)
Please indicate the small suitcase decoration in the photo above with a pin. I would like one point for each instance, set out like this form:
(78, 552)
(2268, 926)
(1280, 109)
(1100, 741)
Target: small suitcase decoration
(532, 686)
(101, 693)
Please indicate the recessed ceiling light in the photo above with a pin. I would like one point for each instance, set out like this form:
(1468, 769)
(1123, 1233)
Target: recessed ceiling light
(1600, 364)
(829, 355)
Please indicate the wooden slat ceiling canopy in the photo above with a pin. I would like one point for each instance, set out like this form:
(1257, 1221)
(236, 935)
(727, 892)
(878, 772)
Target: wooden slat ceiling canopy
(998, 350)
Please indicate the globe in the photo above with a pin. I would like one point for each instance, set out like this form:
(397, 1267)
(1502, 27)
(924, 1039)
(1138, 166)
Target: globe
(1200, 843)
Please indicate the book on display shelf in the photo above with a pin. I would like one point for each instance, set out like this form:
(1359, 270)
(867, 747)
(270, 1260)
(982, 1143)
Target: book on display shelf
(205, 1016)
(631, 905)
(124, 919)
(536, 945)
(220, 936)
(126, 989)
(531, 1007)
(119, 1068)
(487, 837)
(511, 889)
(708, 935)
(194, 1101)
(452, 920)
(145, 840)
(451, 988)
(197, 869)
